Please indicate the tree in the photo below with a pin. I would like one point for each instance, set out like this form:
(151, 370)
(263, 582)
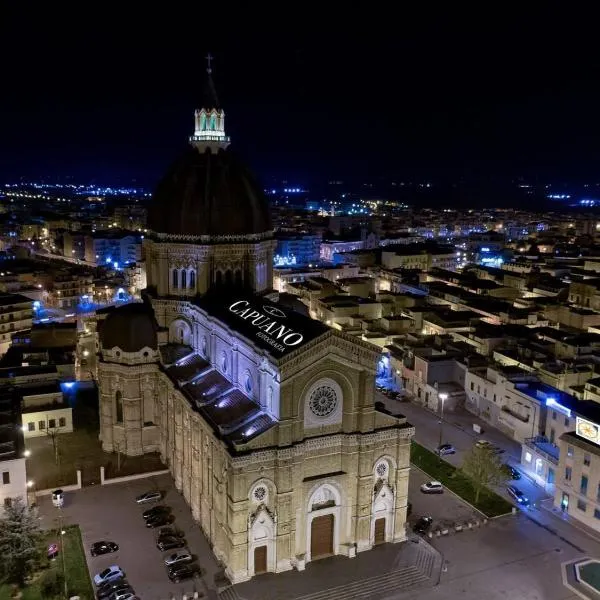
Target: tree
(54, 433)
(484, 468)
(20, 538)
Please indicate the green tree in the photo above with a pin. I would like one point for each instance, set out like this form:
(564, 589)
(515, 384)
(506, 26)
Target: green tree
(20, 538)
(484, 468)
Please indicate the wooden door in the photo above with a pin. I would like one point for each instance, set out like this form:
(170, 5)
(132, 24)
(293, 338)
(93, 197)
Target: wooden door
(260, 560)
(380, 531)
(321, 537)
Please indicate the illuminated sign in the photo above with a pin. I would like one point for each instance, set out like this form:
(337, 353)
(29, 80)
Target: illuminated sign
(552, 403)
(273, 327)
(587, 430)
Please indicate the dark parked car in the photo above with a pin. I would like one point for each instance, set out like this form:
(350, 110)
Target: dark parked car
(153, 496)
(182, 572)
(170, 532)
(156, 510)
(511, 472)
(103, 548)
(159, 520)
(446, 449)
(106, 589)
(518, 495)
(422, 525)
(170, 543)
(123, 588)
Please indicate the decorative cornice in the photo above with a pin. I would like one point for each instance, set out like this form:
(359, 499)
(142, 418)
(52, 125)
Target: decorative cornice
(212, 239)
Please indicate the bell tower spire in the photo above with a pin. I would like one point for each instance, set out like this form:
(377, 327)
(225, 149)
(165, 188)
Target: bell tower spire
(209, 121)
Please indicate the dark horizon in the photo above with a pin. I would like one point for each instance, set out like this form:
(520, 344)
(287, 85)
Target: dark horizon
(444, 96)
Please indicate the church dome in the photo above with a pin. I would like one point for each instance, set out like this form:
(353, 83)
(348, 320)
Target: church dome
(209, 193)
(131, 328)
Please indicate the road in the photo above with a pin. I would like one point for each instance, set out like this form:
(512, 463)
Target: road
(458, 430)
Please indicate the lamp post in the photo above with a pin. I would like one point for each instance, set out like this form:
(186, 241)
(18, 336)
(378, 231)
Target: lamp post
(441, 397)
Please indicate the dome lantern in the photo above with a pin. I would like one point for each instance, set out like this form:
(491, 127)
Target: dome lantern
(209, 121)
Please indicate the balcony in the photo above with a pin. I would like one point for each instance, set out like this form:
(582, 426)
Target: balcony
(515, 414)
(543, 446)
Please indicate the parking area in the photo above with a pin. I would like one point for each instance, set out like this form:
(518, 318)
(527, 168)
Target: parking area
(110, 513)
(445, 509)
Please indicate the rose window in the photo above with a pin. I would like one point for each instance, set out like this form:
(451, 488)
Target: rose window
(381, 469)
(260, 493)
(323, 401)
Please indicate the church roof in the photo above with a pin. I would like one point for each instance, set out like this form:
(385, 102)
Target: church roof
(131, 328)
(209, 193)
(270, 326)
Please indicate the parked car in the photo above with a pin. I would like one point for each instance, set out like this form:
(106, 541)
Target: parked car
(170, 532)
(159, 520)
(156, 510)
(58, 498)
(152, 496)
(109, 574)
(99, 548)
(489, 446)
(177, 558)
(511, 472)
(106, 589)
(446, 449)
(432, 487)
(517, 494)
(125, 594)
(181, 572)
(422, 525)
(169, 543)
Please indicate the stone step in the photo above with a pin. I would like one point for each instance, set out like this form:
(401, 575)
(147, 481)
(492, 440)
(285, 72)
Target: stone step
(229, 594)
(370, 587)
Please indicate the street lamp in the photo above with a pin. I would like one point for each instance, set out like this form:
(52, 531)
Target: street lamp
(442, 398)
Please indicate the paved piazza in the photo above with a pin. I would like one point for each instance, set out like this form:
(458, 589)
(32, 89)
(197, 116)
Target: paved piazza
(513, 558)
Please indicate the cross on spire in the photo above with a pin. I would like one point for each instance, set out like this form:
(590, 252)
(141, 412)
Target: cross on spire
(209, 58)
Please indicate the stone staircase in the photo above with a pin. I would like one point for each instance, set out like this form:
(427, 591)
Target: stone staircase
(372, 587)
(229, 594)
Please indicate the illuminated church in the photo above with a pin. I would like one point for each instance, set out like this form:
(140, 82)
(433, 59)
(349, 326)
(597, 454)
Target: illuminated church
(265, 418)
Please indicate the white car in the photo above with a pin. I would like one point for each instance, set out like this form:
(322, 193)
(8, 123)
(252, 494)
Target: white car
(179, 557)
(432, 487)
(109, 574)
(58, 498)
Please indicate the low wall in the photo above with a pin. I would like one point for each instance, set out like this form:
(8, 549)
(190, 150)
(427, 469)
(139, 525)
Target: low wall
(104, 481)
(64, 488)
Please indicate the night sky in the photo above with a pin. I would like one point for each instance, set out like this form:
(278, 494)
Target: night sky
(106, 95)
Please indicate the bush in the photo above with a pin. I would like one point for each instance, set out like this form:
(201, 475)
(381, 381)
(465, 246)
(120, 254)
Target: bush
(51, 584)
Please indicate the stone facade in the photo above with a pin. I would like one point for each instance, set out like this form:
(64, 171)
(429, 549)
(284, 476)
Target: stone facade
(263, 493)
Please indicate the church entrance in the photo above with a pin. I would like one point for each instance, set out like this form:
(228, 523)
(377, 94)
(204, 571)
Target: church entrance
(260, 560)
(380, 531)
(321, 537)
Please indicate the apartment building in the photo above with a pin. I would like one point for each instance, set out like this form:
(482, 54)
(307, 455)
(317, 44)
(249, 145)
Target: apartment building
(16, 314)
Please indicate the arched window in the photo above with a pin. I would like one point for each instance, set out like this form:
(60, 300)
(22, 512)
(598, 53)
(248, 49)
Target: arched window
(175, 278)
(183, 279)
(119, 407)
(219, 278)
(238, 278)
(228, 277)
(193, 279)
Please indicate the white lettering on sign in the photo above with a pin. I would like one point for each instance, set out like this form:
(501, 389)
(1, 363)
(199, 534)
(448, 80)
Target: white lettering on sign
(274, 333)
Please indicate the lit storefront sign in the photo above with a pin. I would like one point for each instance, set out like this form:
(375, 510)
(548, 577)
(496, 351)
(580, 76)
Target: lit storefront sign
(588, 430)
(552, 403)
